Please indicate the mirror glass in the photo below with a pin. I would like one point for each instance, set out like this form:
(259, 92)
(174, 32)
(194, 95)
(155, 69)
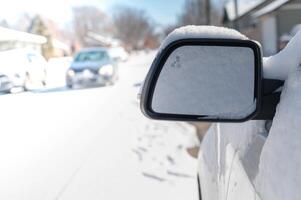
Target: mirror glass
(207, 81)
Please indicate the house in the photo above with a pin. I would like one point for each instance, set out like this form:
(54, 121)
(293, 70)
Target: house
(264, 20)
(12, 39)
(96, 39)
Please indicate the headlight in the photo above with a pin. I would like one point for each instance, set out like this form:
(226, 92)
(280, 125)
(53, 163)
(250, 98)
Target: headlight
(70, 73)
(106, 70)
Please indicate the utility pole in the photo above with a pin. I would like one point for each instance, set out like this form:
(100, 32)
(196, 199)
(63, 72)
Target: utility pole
(236, 24)
(208, 12)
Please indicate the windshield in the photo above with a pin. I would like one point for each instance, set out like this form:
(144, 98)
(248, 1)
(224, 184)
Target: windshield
(91, 56)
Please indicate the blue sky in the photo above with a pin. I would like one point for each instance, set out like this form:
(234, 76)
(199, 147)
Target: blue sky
(162, 11)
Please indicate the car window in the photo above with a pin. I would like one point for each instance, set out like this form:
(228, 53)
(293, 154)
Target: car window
(91, 56)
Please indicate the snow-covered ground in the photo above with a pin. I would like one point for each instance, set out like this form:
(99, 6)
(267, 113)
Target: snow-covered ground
(93, 144)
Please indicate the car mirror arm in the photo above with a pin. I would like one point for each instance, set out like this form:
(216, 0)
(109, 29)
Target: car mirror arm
(270, 99)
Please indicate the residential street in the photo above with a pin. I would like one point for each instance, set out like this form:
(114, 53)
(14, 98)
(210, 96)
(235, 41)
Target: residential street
(93, 144)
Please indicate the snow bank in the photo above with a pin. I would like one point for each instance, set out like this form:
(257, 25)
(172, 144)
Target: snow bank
(286, 61)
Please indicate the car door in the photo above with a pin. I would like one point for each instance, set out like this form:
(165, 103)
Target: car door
(36, 67)
(244, 168)
(229, 158)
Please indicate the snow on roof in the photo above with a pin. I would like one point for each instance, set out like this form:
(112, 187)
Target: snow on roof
(270, 7)
(13, 35)
(103, 39)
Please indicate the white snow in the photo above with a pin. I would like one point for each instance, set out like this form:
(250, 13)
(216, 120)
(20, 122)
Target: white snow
(7, 34)
(279, 170)
(93, 144)
(286, 61)
(56, 71)
(193, 31)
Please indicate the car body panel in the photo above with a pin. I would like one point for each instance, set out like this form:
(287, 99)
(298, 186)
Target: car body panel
(36, 67)
(20, 64)
(225, 163)
(239, 183)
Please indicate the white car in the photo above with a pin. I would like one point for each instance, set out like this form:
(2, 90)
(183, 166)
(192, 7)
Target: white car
(22, 68)
(211, 74)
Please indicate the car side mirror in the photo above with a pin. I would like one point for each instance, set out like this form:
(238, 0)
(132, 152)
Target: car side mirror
(217, 80)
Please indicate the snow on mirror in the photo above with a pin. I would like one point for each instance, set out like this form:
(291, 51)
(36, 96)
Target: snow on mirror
(207, 81)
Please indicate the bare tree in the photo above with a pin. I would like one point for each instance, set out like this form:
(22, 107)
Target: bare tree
(199, 12)
(194, 13)
(39, 26)
(89, 18)
(134, 28)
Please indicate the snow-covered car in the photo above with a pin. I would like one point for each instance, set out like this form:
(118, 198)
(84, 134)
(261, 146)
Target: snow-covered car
(22, 68)
(211, 74)
(91, 67)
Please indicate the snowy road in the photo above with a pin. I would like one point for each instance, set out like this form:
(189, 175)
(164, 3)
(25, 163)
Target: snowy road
(93, 144)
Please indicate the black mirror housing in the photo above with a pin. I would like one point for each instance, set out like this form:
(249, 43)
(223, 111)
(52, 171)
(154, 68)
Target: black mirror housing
(186, 111)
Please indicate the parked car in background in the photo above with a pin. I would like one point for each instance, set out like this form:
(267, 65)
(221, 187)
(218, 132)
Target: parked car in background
(22, 68)
(92, 67)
